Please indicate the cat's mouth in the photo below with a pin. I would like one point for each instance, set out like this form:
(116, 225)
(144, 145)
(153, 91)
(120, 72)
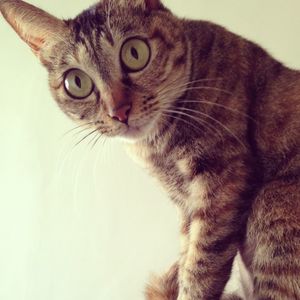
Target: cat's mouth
(135, 129)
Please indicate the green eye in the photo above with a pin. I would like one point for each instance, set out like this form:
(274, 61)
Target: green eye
(78, 84)
(135, 54)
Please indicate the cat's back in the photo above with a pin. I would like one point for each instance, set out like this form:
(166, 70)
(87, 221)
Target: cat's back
(278, 126)
(264, 88)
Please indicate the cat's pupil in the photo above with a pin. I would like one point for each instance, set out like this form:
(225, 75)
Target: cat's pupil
(78, 81)
(134, 53)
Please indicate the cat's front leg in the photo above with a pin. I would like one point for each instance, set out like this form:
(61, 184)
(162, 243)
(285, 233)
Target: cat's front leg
(215, 232)
(206, 268)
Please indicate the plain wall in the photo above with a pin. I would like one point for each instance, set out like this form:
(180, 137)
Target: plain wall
(79, 223)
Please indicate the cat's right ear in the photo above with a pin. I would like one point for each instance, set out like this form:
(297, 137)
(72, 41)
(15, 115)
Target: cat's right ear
(36, 27)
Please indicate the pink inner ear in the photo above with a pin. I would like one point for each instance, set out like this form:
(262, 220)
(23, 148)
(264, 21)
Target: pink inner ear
(35, 44)
(152, 4)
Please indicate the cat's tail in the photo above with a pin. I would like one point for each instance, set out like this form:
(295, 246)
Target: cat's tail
(164, 287)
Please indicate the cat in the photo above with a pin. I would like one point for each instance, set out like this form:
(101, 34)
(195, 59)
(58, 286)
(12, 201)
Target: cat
(212, 115)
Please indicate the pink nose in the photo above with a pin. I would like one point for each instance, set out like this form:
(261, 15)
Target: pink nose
(121, 113)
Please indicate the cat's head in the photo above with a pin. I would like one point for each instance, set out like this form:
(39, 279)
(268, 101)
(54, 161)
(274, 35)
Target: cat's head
(117, 67)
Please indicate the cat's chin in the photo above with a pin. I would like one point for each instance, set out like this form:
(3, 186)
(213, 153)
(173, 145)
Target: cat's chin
(132, 133)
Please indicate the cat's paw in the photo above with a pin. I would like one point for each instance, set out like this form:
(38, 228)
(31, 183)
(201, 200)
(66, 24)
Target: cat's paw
(164, 287)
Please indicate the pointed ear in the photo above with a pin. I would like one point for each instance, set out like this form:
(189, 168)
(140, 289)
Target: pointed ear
(36, 27)
(153, 4)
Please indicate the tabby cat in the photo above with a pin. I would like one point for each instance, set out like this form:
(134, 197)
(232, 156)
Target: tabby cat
(211, 114)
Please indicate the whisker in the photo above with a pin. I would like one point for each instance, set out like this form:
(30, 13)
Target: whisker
(217, 121)
(95, 168)
(197, 88)
(218, 105)
(176, 80)
(197, 81)
(195, 127)
(80, 126)
(83, 130)
(62, 160)
(180, 119)
(97, 139)
(200, 121)
(93, 139)
(86, 136)
(77, 172)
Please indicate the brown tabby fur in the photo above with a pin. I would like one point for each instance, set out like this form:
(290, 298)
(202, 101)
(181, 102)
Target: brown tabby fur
(215, 118)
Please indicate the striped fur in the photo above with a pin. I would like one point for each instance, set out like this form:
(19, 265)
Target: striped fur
(214, 117)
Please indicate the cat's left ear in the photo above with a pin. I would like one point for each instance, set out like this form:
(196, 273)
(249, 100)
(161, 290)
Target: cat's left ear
(36, 27)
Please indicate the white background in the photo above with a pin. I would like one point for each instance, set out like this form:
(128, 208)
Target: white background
(77, 223)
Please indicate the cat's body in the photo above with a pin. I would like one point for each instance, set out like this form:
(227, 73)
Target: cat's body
(265, 96)
(213, 116)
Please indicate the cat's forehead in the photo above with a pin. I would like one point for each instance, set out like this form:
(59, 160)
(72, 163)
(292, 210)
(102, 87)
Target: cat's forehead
(92, 18)
(113, 14)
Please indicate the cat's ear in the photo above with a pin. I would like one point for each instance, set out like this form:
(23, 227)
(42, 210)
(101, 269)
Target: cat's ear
(36, 27)
(153, 4)
(149, 5)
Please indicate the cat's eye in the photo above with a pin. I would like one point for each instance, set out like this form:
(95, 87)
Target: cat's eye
(78, 84)
(135, 54)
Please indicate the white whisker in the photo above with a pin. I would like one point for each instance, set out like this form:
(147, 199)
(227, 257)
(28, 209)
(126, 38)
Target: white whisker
(218, 105)
(183, 90)
(200, 121)
(77, 127)
(217, 121)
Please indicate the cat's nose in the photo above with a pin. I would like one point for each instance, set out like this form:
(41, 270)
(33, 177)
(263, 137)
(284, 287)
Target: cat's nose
(121, 113)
